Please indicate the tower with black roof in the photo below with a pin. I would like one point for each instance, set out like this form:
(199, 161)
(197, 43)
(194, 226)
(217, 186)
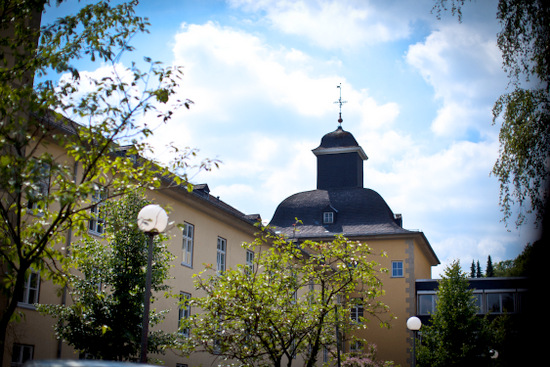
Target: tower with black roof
(341, 205)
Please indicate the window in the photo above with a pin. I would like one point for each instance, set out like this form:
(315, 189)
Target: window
(500, 302)
(356, 312)
(355, 346)
(184, 312)
(97, 218)
(187, 247)
(40, 188)
(21, 354)
(426, 303)
(328, 217)
(221, 254)
(491, 302)
(32, 288)
(397, 269)
(478, 297)
(250, 261)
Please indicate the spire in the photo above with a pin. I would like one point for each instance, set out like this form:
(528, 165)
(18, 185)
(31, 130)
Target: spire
(340, 102)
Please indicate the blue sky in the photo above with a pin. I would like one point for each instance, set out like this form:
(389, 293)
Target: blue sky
(264, 74)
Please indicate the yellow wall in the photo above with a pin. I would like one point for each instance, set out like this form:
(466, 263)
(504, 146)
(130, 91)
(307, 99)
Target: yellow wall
(210, 222)
(394, 343)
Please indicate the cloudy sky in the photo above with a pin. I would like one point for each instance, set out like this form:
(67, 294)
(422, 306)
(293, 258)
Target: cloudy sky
(263, 75)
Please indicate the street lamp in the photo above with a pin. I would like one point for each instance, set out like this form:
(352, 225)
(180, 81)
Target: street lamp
(152, 220)
(414, 324)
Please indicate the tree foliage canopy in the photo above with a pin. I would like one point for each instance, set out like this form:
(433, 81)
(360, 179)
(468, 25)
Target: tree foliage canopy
(104, 319)
(46, 194)
(291, 300)
(456, 336)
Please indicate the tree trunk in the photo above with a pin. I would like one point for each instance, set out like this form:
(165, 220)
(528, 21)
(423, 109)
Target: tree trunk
(18, 290)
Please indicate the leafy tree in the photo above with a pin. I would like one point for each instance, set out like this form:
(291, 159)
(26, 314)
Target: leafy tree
(289, 302)
(44, 194)
(104, 318)
(525, 264)
(522, 166)
(456, 336)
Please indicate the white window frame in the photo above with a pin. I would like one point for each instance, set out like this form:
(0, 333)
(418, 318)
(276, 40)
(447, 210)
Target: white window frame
(31, 292)
(357, 311)
(221, 255)
(328, 217)
(96, 224)
(184, 312)
(19, 352)
(397, 269)
(250, 261)
(188, 244)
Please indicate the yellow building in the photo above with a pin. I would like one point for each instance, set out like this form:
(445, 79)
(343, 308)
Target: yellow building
(213, 232)
(341, 205)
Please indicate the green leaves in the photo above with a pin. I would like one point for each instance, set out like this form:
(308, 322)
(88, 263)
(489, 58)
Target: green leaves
(105, 316)
(87, 128)
(456, 335)
(289, 302)
(524, 151)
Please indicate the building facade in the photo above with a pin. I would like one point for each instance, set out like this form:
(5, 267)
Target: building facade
(203, 230)
(207, 230)
(341, 205)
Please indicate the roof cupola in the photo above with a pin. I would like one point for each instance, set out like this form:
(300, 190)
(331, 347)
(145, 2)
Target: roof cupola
(339, 158)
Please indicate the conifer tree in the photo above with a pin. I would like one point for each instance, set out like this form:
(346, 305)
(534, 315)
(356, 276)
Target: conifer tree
(489, 272)
(479, 273)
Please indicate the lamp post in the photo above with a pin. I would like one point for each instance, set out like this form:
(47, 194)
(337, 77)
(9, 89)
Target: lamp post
(152, 220)
(414, 324)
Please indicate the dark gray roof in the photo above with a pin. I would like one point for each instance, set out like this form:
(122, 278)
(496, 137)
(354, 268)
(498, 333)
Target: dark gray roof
(357, 211)
(338, 138)
(339, 141)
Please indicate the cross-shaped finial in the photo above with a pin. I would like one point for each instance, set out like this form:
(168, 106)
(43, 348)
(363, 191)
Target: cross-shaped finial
(340, 102)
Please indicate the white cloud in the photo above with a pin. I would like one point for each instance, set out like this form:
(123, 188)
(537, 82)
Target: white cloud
(338, 24)
(227, 67)
(464, 68)
(252, 81)
(452, 180)
(262, 106)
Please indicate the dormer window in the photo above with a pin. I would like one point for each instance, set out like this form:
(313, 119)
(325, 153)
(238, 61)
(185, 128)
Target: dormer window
(328, 217)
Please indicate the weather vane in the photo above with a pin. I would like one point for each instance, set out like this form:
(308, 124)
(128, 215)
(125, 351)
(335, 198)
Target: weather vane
(340, 102)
